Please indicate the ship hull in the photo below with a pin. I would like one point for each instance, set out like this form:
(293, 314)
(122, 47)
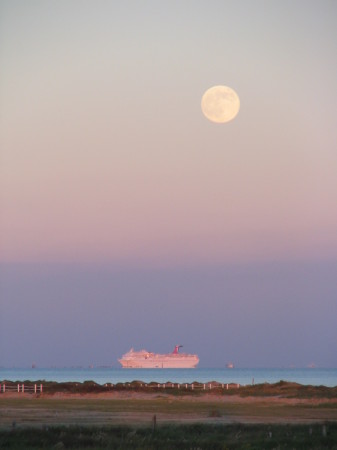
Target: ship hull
(146, 360)
(158, 364)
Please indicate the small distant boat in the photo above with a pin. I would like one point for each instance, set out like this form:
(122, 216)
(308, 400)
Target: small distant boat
(144, 359)
(230, 365)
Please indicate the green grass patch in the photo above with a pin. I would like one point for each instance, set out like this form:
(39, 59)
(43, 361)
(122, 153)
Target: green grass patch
(197, 436)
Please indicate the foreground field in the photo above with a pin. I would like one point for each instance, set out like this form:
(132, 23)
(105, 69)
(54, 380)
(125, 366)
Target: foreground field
(134, 404)
(90, 417)
(127, 410)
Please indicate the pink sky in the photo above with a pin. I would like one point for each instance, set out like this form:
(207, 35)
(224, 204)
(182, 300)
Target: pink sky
(106, 155)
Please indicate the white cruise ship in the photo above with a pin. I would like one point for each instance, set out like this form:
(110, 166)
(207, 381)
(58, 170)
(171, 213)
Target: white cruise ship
(147, 360)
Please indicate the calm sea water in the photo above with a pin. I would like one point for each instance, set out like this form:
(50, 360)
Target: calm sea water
(315, 377)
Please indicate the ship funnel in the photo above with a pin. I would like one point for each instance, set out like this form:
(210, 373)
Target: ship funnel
(176, 349)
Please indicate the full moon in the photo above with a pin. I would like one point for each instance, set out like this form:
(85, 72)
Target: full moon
(220, 104)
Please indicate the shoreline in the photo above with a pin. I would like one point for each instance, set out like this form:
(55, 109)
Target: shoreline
(245, 377)
(282, 389)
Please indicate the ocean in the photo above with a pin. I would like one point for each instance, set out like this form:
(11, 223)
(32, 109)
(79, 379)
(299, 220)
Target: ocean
(314, 377)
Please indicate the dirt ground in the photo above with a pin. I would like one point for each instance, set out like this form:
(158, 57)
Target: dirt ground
(139, 409)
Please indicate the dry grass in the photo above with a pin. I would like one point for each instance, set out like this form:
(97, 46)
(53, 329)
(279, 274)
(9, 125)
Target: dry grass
(56, 410)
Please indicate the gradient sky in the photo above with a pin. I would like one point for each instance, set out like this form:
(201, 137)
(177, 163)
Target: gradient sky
(127, 218)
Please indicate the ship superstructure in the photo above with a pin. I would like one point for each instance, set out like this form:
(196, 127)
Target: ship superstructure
(147, 360)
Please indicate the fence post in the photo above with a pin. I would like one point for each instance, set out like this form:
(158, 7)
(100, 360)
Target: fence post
(18, 388)
(4, 387)
(40, 388)
(23, 388)
(227, 386)
(204, 386)
(35, 388)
